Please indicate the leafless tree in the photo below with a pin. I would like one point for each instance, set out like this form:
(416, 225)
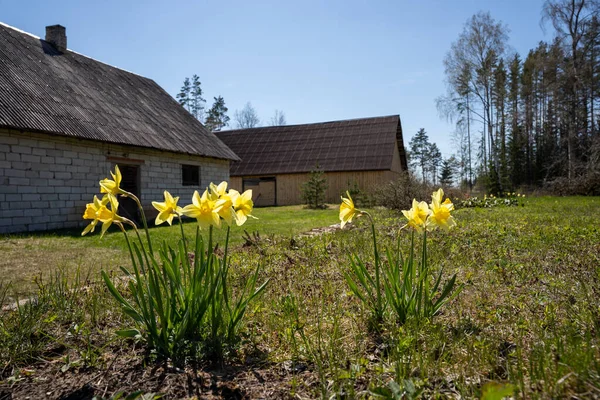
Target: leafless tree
(278, 119)
(246, 117)
(469, 67)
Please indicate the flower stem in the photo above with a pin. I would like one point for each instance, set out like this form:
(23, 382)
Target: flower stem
(144, 222)
(182, 235)
(379, 311)
(226, 268)
(128, 246)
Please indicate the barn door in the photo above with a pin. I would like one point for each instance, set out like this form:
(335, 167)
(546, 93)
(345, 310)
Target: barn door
(263, 191)
(131, 183)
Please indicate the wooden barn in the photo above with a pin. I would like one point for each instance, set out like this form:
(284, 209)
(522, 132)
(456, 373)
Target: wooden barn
(277, 160)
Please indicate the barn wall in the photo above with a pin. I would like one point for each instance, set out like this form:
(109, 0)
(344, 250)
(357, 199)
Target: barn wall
(46, 181)
(396, 164)
(289, 185)
(235, 182)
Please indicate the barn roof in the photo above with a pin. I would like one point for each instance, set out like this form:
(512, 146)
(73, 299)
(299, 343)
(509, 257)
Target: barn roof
(351, 145)
(66, 93)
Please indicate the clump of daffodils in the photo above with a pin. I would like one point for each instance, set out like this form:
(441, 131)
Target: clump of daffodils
(176, 301)
(215, 204)
(435, 215)
(402, 285)
(420, 217)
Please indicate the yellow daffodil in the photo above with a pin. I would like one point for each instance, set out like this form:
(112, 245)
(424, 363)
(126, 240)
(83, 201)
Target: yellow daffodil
(347, 210)
(91, 212)
(110, 216)
(417, 215)
(224, 201)
(440, 211)
(167, 209)
(219, 190)
(205, 209)
(112, 186)
(242, 205)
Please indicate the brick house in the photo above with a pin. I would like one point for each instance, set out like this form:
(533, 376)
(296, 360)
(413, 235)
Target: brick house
(66, 120)
(277, 160)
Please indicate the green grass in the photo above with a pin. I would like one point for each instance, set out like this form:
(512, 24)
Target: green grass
(27, 256)
(529, 313)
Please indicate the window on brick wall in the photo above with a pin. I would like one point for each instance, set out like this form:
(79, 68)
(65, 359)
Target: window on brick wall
(190, 175)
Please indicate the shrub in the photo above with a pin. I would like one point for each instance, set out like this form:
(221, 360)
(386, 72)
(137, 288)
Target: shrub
(361, 198)
(399, 194)
(585, 185)
(313, 190)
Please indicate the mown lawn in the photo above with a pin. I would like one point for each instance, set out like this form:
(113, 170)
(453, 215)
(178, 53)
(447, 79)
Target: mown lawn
(28, 256)
(528, 314)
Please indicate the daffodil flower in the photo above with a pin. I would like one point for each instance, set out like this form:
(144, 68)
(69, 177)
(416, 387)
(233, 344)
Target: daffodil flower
(205, 209)
(417, 215)
(347, 210)
(110, 216)
(242, 205)
(112, 186)
(167, 209)
(440, 211)
(91, 212)
(224, 201)
(219, 190)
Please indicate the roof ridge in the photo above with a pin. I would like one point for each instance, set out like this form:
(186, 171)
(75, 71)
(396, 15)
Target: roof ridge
(70, 50)
(77, 96)
(19, 30)
(311, 123)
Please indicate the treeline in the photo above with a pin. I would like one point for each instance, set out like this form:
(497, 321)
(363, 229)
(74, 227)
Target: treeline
(531, 121)
(216, 118)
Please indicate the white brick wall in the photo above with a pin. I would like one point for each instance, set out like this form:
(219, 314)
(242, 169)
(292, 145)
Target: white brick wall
(46, 181)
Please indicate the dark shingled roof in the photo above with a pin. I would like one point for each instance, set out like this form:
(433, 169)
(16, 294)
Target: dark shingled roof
(365, 144)
(69, 94)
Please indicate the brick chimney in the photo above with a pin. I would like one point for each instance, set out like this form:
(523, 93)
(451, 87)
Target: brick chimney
(56, 35)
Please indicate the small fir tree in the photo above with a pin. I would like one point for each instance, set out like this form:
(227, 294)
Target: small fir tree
(313, 190)
(447, 174)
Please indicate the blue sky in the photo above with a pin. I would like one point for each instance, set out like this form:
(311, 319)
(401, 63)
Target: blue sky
(314, 60)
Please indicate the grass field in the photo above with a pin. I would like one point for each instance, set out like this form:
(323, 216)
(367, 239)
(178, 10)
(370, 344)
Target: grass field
(27, 256)
(528, 315)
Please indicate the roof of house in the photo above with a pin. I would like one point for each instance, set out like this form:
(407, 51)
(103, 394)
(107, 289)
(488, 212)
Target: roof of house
(351, 145)
(73, 95)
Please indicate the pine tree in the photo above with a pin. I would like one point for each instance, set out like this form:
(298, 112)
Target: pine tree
(216, 118)
(419, 151)
(514, 140)
(434, 159)
(499, 98)
(447, 174)
(196, 102)
(184, 94)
